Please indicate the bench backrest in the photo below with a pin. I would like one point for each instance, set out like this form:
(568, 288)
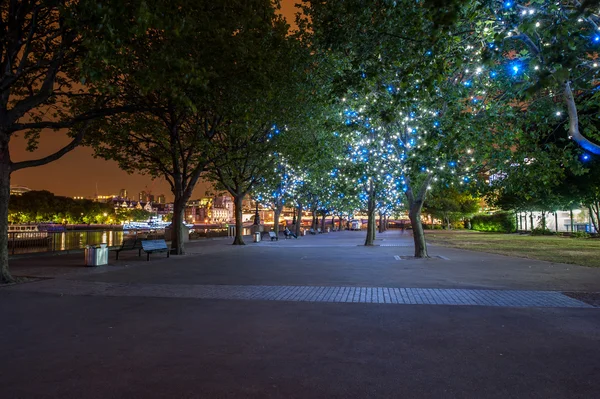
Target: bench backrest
(131, 244)
(153, 245)
(272, 234)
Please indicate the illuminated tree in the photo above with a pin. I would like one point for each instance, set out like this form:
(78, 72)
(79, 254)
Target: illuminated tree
(408, 109)
(549, 50)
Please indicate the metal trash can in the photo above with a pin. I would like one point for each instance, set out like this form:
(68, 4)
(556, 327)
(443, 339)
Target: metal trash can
(96, 255)
(303, 232)
(102, 254)
(257, 236)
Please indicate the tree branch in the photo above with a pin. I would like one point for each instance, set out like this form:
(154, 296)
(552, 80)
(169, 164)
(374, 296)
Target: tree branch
(528, 42)
(98, 113)
(53, 157)
(574, 132)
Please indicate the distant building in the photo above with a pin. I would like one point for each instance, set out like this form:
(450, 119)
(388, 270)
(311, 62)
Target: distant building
(223, 209)
(161, 199)
(105, 198)
(19, 190)
(123, 193)
(196, 214)
(149, 198)
(142, 196)
(219, 214)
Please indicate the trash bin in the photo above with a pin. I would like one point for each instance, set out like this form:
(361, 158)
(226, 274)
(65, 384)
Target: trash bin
(102, 254)
(96, 255)
(303, 232)
(257, 236)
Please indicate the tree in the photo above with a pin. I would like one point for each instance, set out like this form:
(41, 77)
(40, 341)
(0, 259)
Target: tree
(451, 205)
(187, 68)
(43, 206)
(406, 99)
(550, 50)
(43, 45)
(264, 107)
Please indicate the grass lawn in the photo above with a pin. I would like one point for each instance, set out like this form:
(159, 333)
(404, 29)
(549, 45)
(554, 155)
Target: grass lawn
(578, 251)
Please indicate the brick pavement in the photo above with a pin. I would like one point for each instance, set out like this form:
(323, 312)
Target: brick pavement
(374, 295)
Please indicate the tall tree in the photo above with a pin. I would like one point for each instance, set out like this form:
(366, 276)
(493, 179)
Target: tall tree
(187, 69)
(264, 107)
(405, 92)
(43, 45)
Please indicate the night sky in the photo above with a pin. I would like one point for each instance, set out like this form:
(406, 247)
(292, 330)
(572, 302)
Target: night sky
(78, 173)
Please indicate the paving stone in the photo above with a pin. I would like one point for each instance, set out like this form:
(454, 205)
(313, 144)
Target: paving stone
(376, 295)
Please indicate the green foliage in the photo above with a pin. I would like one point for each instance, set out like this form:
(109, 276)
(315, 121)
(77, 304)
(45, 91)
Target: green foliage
(451, 205)
(501, 222)
(43, 206)
(580, 234)
(133, 215)
(538, 231)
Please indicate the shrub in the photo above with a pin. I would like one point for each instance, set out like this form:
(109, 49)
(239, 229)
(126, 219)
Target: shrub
(580, 234)
(542, 232)
(501, 222)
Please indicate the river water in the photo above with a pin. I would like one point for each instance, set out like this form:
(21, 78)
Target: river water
(20, 243)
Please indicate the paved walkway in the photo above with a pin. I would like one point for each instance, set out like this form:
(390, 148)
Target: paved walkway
(318, 317)
(374, 295)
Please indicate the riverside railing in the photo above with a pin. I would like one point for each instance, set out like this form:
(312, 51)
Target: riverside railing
(70, 240)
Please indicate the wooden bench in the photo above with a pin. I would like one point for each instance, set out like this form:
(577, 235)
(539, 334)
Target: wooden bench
(273, 236)
(129, 245)
(152, 246)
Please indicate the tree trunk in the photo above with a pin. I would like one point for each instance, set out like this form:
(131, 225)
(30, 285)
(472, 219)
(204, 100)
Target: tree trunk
(414, 215)
(276, 214)
(531, 220)
(298, 221)
(371, 221)
(314, 220)
(571, 216)
(177, 246)
(5, 170)
(323, 223)
(555, 221)
(239, 225)
(594, 210)
(544, 220)
(380, 222)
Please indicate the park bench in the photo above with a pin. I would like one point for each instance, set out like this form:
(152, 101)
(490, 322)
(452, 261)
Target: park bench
(152, 246)
(263, 234)
(319, 231)
(273, 236)
(129, 245)
(312, 231)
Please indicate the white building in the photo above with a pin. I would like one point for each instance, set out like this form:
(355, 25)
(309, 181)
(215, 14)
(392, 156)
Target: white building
(559, 221)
